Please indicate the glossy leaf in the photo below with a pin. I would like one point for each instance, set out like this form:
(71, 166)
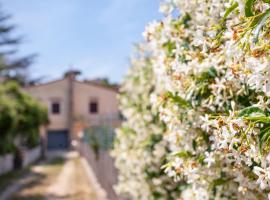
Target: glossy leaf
(260, 24)
(251, 111)
(249, 7)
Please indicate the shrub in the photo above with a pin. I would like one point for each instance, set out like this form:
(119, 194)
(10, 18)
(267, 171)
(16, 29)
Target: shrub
(7, 122)
(139, 146)
(20, 116)
(210, 60)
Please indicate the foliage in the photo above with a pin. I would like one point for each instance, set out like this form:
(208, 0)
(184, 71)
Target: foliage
(7, 121)
(12, 67)
(20, 116)
(139, 147)
(105, 82)
(100, 137)
(210, 85)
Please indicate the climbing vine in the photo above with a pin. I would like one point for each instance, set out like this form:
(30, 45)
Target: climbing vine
(210, 65)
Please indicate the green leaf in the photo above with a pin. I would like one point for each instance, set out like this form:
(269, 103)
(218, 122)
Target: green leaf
(211, 73)
(182, 58)
(167, 165)
(178, 100)
(266, 1)
(229, 11)
(185, 20)
(170, 46)
(194, 144)
(157, 195)
(249, 7)
(182, 21)
(201, 158)
(251, 111)
(183, 154)
(151, 141)
(264, 135)
(263, 18)
(259, 119)
(219, 181)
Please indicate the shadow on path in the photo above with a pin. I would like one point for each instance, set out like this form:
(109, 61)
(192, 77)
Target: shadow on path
(60, 178)
(31, 182)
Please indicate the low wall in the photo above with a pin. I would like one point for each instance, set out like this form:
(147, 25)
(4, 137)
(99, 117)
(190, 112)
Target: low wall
(32, 155)
(6, 163)
(103, 167)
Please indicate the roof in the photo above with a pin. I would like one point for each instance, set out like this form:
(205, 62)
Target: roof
(92, 83)
(43, 84)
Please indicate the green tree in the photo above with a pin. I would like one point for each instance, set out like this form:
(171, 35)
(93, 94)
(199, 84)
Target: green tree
(20, 115)
(11, 65)
(8, 121)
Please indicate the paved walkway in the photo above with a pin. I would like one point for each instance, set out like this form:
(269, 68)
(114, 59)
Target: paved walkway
(67, 177)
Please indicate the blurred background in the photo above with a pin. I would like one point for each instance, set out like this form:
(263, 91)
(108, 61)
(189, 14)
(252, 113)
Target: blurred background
(95, 37)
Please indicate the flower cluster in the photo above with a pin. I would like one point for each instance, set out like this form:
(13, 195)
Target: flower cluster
(140, 149)
(211, 66)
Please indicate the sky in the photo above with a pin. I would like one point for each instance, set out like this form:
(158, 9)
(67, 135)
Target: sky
(93, 36)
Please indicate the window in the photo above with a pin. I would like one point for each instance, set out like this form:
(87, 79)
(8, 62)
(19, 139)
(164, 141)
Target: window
(93, 107)
(55, 108)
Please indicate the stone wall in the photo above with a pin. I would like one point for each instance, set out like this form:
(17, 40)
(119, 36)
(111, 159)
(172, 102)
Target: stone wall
(32, 155)
(6, 163)
(103, 167)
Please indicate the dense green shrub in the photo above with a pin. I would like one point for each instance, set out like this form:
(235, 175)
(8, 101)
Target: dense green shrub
(7, 121)
(20, 115)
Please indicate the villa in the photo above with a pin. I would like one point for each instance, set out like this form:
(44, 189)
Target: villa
(73, 106)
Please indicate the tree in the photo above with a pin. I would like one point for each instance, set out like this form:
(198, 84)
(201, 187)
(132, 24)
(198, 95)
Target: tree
(8, 121)
(105, 82)
(11, 66)
(20, 115)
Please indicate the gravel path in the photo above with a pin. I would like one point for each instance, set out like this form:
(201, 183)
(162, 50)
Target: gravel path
(72, 183)
(66, 179)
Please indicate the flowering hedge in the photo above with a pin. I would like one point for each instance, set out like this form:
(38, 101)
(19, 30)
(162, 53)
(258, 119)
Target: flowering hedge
(140, 148)
(210, 64)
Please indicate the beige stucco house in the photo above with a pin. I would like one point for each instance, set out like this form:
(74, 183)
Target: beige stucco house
(75, 105)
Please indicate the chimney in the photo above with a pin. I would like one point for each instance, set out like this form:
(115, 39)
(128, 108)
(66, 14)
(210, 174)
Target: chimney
(72, 74)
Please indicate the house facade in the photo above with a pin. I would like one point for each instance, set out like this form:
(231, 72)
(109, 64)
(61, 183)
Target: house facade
(74, 106)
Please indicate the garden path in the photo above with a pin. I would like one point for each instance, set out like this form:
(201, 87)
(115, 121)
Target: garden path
(65, 178)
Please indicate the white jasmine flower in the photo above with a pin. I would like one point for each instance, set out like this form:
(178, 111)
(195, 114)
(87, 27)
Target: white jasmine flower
(209, 158)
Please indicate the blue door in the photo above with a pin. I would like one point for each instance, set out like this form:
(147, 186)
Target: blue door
(57, 139)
